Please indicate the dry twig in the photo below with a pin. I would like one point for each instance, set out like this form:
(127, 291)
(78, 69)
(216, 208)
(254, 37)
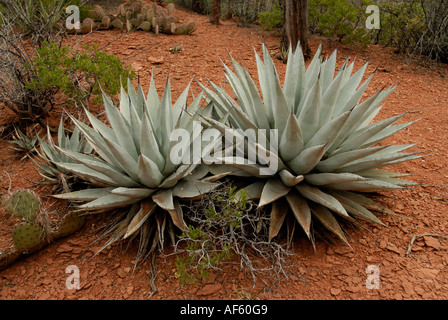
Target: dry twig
(416, 236)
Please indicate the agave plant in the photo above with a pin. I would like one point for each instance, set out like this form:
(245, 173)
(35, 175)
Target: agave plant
(325, 142)
(22, 142)
(131, 167)
(50, 154)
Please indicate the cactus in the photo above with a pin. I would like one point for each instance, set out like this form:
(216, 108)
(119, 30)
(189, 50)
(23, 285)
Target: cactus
(105, 22)
(71, 223)
(170, 8)
(88, 25)
(27, 236)
(146, 17)
(33, 233)
(145, 26)
(185, 28)
(23, 203)
(117, 24)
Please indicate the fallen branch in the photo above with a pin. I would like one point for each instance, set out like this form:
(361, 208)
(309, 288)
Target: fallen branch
(416, 236)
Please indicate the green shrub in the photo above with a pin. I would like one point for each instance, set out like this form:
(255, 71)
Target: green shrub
(84, 8)
(401, 24)
(343, 19)
(223, 226)
(222, 215)
(415, 27)
(271, 19)
(196, 265)
(78, 74)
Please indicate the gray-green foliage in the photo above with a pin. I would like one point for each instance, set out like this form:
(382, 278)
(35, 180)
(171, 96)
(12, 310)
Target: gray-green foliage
(132, 168)
(341, 19)
(327, 153)
(271, 19)
(39, 19)
(50, 154)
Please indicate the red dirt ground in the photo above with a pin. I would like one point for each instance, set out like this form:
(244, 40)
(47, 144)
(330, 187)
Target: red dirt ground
(334, 271)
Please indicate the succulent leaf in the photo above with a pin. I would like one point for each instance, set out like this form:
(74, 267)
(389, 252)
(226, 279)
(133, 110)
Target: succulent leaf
(327, 151)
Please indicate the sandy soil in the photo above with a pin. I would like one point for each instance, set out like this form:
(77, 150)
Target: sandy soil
(333, 271)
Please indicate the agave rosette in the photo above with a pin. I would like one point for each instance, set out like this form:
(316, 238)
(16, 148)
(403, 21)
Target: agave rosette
(49, 154)
(131, 166)
(327, 152)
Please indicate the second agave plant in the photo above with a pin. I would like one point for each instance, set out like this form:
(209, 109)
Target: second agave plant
(130, 166)
(327, 154)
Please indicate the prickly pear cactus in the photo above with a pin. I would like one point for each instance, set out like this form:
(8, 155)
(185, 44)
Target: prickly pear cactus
(136, 15)
(33, 234)
(71, 223)
(23, 203)
(27, 236)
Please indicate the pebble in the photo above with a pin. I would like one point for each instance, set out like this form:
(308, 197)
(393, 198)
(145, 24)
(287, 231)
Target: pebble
(209, 289)
(335, 291)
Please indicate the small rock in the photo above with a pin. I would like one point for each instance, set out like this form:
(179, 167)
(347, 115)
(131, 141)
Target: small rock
(353, 289)
(64, 248)
(103, 273)
(156, 60)
(44, 296)
(136, 66)
(393, 248)
(335, 291)
(121, 273)
(129, 290)
(432, 242)
(343, 250)
(430, 274)
(209, 289)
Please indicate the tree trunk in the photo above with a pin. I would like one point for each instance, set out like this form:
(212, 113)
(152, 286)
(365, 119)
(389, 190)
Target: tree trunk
(216, 11)
(196, 6)
(229, 10)
(295, 26)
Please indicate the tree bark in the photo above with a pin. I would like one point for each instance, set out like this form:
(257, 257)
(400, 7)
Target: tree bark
(295, 26)
(216, 11)
(196, 6)
(229, 10)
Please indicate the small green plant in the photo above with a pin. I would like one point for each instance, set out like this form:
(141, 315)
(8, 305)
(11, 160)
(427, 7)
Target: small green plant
(176, 48)
(271, 19)
(202, 255)
(230, 209)
(79, 74)
(415, 27)
(22, 142)
(226, 226)
(84, 8)
(224, 214)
